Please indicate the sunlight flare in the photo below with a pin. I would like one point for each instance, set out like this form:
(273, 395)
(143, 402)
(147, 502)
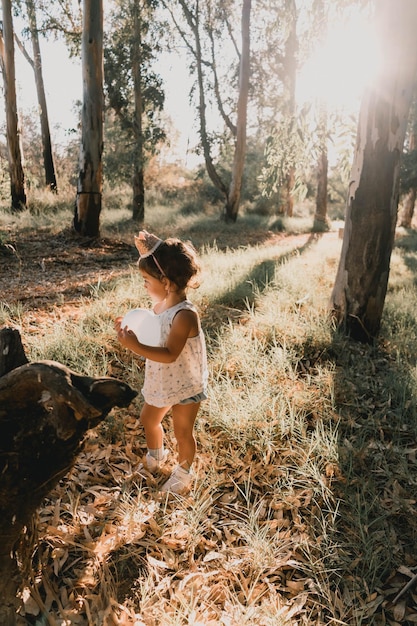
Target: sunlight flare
(340, 69)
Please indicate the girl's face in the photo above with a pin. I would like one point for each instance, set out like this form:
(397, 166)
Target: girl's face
(155, 287)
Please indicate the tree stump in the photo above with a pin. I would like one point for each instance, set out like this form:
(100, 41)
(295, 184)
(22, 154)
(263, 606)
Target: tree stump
(45, 411)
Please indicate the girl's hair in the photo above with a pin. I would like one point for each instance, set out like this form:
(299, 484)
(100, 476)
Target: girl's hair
(178, 261)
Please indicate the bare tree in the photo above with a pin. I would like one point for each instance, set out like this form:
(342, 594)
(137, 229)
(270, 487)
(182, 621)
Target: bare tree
(361, 283)
(90, 177)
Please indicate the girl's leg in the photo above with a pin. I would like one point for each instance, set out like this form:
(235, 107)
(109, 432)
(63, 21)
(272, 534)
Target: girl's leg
(151, 418)
(183, 417)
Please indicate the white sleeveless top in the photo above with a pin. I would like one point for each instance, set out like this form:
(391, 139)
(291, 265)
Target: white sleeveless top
(167, 384)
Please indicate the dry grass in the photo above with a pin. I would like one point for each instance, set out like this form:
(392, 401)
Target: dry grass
(303, 511)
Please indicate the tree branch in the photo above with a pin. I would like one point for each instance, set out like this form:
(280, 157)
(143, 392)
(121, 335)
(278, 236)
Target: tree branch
(24, 51)
(225, 117)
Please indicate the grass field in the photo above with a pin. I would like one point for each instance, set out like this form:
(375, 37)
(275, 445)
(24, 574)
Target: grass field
(304, 506)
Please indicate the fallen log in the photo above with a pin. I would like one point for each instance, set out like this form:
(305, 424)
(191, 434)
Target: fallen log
(45, 411)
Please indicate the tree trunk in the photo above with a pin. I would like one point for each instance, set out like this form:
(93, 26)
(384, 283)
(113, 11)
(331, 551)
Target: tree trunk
(233, 198)
(361, 282)
(17, 178)
(290, 65)
(90, 178)
(231, 192)
(50, 178)
(320, 216)
(138, 187)
(193, 22)
(407, 213)
(289, 188)
(45, 411)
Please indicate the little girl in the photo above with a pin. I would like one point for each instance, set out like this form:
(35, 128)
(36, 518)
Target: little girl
(175, 371)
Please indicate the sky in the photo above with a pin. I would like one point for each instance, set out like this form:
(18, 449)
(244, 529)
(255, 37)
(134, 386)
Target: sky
(63, 86)
(338, 70)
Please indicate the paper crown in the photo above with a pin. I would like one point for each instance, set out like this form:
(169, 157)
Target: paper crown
(146, 243)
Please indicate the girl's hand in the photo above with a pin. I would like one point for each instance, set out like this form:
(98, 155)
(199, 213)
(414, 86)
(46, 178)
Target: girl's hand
(126, 337)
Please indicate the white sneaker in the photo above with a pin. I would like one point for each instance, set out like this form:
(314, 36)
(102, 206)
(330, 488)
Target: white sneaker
(151, 464)
(179, 480)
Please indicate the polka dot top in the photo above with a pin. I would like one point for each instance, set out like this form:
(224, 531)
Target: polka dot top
(167, 384)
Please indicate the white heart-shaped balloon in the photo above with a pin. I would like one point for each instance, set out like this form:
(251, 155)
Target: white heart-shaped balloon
(145, 324)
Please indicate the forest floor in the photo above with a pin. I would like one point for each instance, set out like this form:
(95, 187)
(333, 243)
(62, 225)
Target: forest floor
(45, 270)
(50, 274)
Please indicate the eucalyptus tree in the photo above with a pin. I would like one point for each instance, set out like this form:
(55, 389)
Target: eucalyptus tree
(358, 295)
(35, 61)
(285, 34)
(320, 216)
(90, 176)
(233, 196)
(289, 78)
(134, 90)
(62, 19)
(17, 177)
(297, 133)
(324, 15)
(220, 61)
